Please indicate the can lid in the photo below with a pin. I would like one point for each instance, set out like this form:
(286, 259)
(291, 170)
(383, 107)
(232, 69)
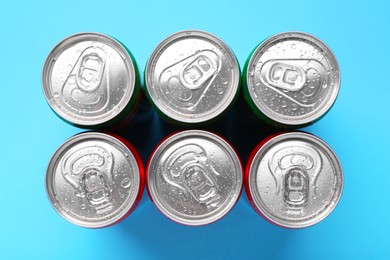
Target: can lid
(192, 77)
(88, 79)
(194, 177)
(293, 78)
(295, 180)
(93, 180)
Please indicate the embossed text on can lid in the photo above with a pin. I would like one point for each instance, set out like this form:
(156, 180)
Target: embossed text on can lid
(192, 77)
(88, 79)
(294, 180)
(194, 177)
(293, 78)
(93, 180)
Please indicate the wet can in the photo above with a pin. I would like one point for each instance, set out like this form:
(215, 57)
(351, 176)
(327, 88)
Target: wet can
(95, 180)
(91, 80)
(192, 78)
(194, 177)
(291, 80)
(293, 180)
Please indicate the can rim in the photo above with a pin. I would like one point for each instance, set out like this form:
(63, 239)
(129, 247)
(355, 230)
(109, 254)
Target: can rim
(150, 182)
(56, 52)
(182, 35)
(251, 169)
(123, 212)
(331, 97)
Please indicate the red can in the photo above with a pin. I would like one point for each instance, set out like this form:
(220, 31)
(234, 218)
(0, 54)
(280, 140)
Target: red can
(194, 177)
(294, 179)
(95, 180)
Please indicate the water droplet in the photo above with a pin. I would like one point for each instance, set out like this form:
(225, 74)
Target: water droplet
(56, 94)
(126, 182)
(294, 106)
(83, 206)
(220, 91)
(293, 46)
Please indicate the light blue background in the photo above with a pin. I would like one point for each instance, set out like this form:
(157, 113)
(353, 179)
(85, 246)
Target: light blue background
(357, 128)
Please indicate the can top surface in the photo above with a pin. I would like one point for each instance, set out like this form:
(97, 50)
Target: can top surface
(192, 76)
(295, 180)
(293, 78)
(93, 180)
(88, 79)
(194, 177)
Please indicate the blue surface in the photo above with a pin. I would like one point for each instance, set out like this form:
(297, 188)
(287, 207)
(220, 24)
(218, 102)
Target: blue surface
(357, 128)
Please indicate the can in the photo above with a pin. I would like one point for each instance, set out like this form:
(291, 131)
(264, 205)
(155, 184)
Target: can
(194, 177)
(293, 180)
(95, 180)
(91, 80)
(291, 80)
(192, 78)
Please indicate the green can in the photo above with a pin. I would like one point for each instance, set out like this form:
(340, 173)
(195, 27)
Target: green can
(91, 80)
(192, 78)
(291, 80)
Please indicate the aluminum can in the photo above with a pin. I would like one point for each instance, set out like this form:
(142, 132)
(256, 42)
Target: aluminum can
(95, 180)
(91, 80)
(291, 80)
(293, 180)
(192, 77)
(194, 177)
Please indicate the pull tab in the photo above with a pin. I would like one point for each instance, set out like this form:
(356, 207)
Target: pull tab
(90, 72)
(95, 187)
(200, 69)
(296, 187)
(186, 81)
(284, 75)
(83, 88)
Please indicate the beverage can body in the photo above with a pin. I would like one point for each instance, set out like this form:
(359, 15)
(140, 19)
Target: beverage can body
(194, 177)
(192, 78)
(291, 80)
(293, 179)
(95, 180)
(91, 80)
